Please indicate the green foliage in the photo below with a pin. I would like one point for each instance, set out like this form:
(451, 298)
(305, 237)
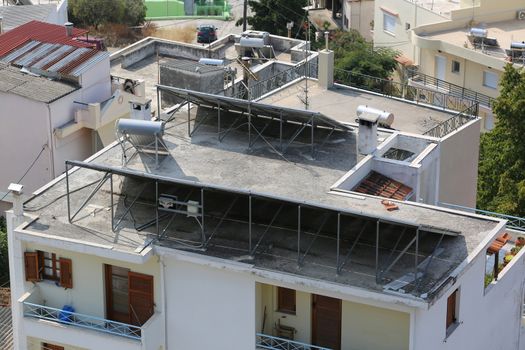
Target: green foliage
(272, 15)
(98, 12)
(353, 53)
(4, 260)
(501, 180)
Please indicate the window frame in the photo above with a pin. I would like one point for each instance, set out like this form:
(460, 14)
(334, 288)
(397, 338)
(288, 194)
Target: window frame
(281, 297)
(36, 263)
(387, 16)
(485, 80)
(458, 70)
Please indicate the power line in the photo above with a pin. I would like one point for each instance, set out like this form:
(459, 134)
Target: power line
(28, 169)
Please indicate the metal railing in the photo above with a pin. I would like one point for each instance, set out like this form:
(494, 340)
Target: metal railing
(453, 123)
(278, 80)
(81, 320)
(513, 222)
(264, 341)
(404, 91)
(449, 88)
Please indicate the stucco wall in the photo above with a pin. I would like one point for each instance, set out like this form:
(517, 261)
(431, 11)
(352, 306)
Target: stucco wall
(209, 308)
(458, 172)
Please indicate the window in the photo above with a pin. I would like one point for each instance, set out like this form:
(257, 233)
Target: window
(452, 310)
(490, 80)
(407, 26)
(389, 23)
(41, 265)
(47, 346)
(455, 67)
(286, 300)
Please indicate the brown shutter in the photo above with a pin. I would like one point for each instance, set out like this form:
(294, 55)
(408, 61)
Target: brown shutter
(66, 273)
(140, 297)
(285, 300)
(32, 266)
(451, 309)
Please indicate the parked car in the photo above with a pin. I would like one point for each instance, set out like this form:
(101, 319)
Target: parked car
(206, 33)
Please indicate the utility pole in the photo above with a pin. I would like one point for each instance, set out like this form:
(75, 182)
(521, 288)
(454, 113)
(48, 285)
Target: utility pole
(244, 13)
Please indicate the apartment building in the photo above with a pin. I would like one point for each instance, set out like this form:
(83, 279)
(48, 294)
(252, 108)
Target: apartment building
(237, 224)
(56, 91)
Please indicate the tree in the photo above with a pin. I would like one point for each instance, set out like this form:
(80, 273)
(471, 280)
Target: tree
(353, 53)
(98, 12)
(501, 179)
(272, 15)
(4, 259)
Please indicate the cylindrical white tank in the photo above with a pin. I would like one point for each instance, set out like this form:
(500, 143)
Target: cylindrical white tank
(478, 32)
(251, 42)
(517, 45)
(140, 127)
(384, 117)
(211, 62)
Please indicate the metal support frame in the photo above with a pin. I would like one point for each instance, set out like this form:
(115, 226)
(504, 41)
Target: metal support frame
(230, 207)
(349, 253)
(252, 252)
(259, 133)
(93, 192)
(113, 225)
(415, 241)
(298, 234)
(316, 234)
(431, 257)
(230, 128)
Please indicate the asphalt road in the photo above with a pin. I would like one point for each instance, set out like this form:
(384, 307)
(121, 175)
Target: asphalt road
(224, 27)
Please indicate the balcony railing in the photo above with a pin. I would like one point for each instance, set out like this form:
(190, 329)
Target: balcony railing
(275, 343)
(80, 320)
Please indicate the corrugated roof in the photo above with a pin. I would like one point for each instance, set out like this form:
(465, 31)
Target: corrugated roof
(13, 81)
(377, 184)
(14, 16)
(42, 32)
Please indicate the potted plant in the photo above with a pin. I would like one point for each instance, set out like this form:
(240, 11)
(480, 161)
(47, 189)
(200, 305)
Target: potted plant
(520, 241)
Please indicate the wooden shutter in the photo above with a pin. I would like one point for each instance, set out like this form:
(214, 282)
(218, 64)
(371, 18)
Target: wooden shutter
(32, 266)
(140, 289)
(66, 273)
(451, 309)
(285, 300)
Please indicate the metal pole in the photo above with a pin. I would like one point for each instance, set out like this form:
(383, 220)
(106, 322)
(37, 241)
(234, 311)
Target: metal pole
(202, 218)
(416, 256)
(158, 102)
(219, 121)
(244, 14)
(67, 189)
(312, 136)
(111, 203)
(281, 131)
(377, 251)
(249, 124)
(250, 223)
(338, 240)
(157, 208)
(298, 234)
(189, 116)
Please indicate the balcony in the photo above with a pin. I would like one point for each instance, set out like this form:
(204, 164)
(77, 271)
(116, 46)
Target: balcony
(67, 326)
(264, 341)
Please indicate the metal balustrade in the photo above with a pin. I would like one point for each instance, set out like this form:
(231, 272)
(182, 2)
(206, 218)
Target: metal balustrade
(449, 88)
(81, 320)
(513, 222)
(453, 123)
(264, 341)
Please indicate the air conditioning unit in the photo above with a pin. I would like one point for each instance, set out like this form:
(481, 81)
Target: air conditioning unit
(520, 15)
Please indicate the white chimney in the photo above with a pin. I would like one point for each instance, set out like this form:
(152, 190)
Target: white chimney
(1, 25)
(18, 203)
(69, 29)
(369, 118)
(325, 70)
(140, 110)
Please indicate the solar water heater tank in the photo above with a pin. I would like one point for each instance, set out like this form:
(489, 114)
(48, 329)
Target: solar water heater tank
(140, 127)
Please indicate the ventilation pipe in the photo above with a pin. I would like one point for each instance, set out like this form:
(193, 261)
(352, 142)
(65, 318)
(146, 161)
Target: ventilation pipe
(369, 118)
(326, 66)
(18, 203)
(69, 29)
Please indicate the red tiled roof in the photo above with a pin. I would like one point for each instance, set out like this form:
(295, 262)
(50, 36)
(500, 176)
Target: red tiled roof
(39, 31)
(380, 185)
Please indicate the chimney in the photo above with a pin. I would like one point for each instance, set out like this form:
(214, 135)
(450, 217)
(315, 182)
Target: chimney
(1, 25)
(326, 66)
(18, 203)
(369, 118)
(69, 29)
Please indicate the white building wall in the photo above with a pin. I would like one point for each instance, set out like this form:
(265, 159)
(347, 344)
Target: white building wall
(24, 131)
(208, 308)
(488, 318)
(96, 82)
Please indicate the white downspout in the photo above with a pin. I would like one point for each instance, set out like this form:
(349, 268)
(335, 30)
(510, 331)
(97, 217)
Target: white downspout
(51, 144)
(164, 299)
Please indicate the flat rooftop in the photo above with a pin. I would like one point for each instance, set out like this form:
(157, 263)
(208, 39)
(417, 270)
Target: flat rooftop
(255, 205)
(341, 102)
(504, 32)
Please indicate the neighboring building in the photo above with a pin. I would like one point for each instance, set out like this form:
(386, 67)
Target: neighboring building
(13, 16)
(54, 88)
(236, 224)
